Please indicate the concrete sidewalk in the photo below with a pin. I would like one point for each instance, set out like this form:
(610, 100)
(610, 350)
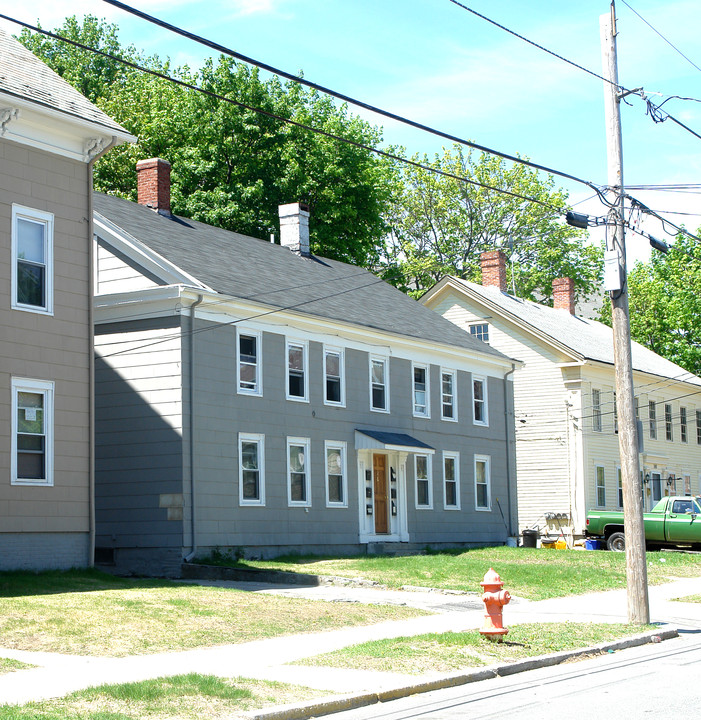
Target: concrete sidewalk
(58, 675)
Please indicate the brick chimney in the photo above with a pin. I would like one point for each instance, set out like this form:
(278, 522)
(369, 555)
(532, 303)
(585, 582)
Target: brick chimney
(294, 228)
(493, 263)
(153, 178)
(563, 294)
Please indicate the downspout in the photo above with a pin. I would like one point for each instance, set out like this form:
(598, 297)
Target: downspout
(91, 355)
(508, 454)
(191, 379)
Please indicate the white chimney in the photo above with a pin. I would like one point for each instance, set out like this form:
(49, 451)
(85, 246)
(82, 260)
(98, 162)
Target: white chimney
(294, 227)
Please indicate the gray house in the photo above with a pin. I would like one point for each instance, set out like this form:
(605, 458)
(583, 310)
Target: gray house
(49, 137)
(253, 396)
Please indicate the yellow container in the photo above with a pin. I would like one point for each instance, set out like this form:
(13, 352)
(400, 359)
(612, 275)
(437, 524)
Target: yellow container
(548, 545)
(561, 544)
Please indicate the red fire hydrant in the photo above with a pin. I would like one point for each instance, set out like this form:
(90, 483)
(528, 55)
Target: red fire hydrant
(494, 599)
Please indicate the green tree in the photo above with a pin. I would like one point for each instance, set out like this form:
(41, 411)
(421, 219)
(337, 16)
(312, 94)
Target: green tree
(665, 304)
(233, 166)
(440, 225)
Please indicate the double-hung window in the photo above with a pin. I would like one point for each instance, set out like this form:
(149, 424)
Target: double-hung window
(449, 406)
(334, 386)
(336, 483)
(421, 391)
(451, 480)
(479, 401)
(251, 469)
(600, 486)
(297, 371)
(298, 472)
(248, 361)
(620, 487)
(652, 419)
(596, 410)
(422, 476)
(683, 425)
(668, 429)
(379, 384)
(615, 414)
(698, 427)
(32, 432)
(483, 500)
(32, 260)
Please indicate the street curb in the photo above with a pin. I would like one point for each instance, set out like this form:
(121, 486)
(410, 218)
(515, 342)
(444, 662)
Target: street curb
(339, 703)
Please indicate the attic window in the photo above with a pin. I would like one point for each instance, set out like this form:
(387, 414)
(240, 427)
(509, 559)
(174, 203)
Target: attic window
(480, 331)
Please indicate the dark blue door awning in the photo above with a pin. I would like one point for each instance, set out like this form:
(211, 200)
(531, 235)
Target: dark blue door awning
(385, 440)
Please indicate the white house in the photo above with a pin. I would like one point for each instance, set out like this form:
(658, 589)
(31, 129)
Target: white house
(564, 394)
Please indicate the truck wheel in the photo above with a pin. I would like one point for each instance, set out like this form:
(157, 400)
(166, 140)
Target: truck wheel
(616, 542)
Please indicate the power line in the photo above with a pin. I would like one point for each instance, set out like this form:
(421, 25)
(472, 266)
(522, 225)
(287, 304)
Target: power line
(530, 42)
(295, 123)
(652, 110)
(674, 47)
(345, 98)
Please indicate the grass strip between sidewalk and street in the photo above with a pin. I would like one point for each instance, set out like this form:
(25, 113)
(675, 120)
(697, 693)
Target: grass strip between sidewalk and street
(8, 665)
(92, 613)
(181, 696)
(448, 652)
(528, 573)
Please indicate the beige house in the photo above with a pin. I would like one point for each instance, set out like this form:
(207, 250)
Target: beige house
(49, 137)
(567, 453)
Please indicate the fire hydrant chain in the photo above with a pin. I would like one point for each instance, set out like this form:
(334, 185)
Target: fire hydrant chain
(494, 598)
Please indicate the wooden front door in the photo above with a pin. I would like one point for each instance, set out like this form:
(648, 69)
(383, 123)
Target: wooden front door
(381, 509)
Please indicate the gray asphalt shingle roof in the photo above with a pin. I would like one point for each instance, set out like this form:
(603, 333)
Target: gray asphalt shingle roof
(23, 75)
(588, 338)
(245, 267)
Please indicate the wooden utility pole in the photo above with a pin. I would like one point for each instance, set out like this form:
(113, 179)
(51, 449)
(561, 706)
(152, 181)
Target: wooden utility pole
(636, 566)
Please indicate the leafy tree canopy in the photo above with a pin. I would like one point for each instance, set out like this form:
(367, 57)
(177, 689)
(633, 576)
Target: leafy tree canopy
(665, 304)
(232, 166)
(440, 225)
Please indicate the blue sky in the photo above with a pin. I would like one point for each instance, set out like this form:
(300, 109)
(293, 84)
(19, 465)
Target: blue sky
(438, 64)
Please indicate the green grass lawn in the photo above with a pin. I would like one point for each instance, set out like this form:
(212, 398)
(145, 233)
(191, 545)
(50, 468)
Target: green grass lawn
(180, 697)
(91, 613)
(528, 573)
(449, 652)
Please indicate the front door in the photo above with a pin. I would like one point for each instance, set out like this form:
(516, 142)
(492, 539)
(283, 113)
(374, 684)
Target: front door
(381, 508)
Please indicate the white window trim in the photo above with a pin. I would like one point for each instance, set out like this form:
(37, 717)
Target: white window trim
(260, 439)
(476, 334)
(258, 391)
(596, 417)
(456, 457)
(26, 213)
(305, 362)
(342, 370)
(336, 445)
(485, 401)
(306, 442)
(427, 375)
(619, 487)
(454, 374)
(46, 388)
(597, 486)
(385, 361)
(487, 460)
(429, 478)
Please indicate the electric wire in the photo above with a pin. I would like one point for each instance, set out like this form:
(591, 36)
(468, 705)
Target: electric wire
(651, 109)
(674, 47)
(345, 98)
(318, 131)
(292, 306)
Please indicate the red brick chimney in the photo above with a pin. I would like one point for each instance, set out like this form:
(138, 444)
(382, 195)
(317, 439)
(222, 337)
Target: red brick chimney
(493, 263)
(563, 294)
(153, 178)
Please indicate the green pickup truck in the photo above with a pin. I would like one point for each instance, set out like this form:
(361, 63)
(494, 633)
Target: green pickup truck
(674, 521)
